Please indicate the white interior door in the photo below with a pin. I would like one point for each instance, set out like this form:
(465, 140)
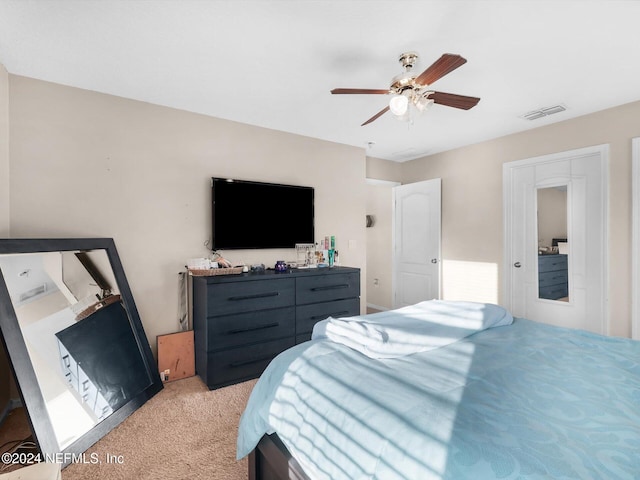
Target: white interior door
(416, 240)
(582, 174)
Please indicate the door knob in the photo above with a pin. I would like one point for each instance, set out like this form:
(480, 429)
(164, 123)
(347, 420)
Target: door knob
(517, 264)
(434, 260)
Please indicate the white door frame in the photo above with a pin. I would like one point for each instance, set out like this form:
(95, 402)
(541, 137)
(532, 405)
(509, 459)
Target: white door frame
(508, 234)
(635, 236)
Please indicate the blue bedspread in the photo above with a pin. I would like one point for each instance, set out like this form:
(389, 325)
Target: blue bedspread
(525, 401)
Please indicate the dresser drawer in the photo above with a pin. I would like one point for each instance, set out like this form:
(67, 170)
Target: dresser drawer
(554, 292)
(250, 327)
(550, 263)
(308, 315)
(242, 363)
(238, 297)
(546, 279)
(323, 288)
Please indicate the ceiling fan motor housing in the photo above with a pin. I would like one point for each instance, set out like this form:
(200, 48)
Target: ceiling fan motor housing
(405, 80)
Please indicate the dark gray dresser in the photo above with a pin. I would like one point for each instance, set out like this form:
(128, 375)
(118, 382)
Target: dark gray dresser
(242, 321)
(553, 277)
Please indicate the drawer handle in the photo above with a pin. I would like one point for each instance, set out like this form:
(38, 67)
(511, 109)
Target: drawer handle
(249, 362)
(330, 287)
(252, 329)
(335, 314)
(257, 295)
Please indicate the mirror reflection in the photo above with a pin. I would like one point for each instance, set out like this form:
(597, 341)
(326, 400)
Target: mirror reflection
(553, 250)
(78, 336)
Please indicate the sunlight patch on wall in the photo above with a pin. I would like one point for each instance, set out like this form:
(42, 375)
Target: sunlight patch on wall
(470, 281)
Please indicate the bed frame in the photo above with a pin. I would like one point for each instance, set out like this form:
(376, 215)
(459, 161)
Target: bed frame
(271, 460)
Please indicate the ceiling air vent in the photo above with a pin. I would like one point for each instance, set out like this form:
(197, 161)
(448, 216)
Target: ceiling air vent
(543, 112)
(408, 154)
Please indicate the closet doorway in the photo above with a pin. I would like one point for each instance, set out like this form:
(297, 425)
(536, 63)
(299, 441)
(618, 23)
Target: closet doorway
(555, 236)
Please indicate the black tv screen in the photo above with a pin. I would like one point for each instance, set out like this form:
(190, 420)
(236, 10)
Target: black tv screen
(249, 214)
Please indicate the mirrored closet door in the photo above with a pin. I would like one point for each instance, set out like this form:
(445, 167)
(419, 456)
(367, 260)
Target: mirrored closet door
(555, 210)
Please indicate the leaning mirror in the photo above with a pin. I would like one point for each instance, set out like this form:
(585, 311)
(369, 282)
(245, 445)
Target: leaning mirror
(553, 258)
(74, 339)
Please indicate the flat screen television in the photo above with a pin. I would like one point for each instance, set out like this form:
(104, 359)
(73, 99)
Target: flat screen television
(248, 215)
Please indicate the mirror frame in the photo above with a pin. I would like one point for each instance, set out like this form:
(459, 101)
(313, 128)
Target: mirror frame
(22, 367)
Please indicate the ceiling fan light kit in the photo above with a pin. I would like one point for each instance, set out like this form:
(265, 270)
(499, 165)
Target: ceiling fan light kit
(399, 104)
(424, 103)
(408, 89)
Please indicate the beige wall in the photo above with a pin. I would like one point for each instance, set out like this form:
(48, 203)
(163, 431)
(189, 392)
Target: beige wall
(472, 226)
(89, 164)
(380, 169)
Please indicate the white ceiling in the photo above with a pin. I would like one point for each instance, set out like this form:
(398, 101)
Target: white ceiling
(273, 63)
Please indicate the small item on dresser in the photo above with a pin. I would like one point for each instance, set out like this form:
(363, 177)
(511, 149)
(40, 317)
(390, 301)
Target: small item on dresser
(204, 267)
(281, 266)
(218, 266)
(257, 267)
(211, 272)
(223, 262)
(198, 263)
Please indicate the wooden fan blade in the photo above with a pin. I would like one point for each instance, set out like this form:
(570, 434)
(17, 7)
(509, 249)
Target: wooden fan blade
(453, 100)
(445, 64)
(376, 116)
(359, 90)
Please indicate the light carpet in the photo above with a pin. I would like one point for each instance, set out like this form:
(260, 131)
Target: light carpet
(184, 432)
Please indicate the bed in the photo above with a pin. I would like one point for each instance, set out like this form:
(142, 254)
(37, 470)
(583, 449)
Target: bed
(446, 390)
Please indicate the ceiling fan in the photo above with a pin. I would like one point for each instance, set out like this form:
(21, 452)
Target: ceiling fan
(408, 89)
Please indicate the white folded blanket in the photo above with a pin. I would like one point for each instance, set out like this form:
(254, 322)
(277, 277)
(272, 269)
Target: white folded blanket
(417, 328)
